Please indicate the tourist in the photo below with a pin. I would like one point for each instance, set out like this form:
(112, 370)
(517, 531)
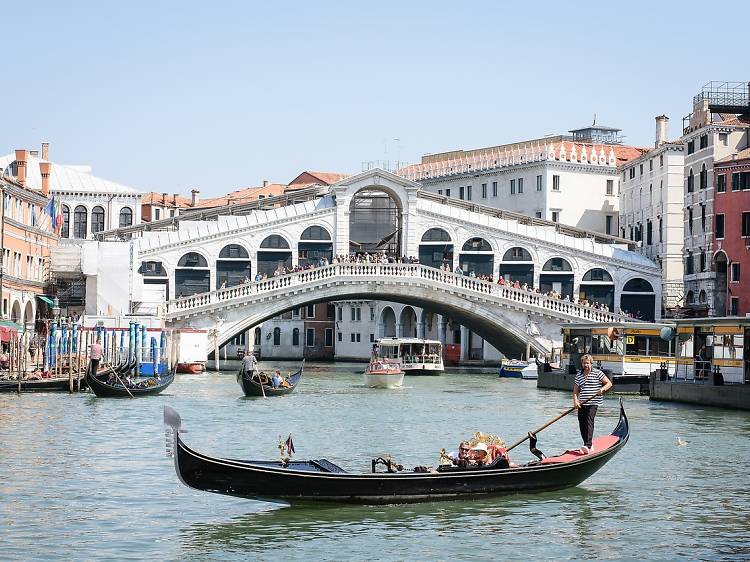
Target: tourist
(95, 355)
(461, 457)
(479, 455)
(589, 383)
(276, 379)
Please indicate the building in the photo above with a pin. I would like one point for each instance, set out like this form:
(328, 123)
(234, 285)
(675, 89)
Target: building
(717, 128)
(732, 233)
(28, 234)
(89, 204)
(651, 209)
(306, 332)
(573, 180)
(307, 179)
(245, 195)
(157, 206)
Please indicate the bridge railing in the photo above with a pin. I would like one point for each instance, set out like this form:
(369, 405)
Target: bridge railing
(390, 270)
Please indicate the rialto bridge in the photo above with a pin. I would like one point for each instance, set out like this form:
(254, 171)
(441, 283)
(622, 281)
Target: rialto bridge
(207, 269)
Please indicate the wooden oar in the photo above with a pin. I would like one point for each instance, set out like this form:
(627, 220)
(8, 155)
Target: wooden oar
(121, 381)
(549, 423)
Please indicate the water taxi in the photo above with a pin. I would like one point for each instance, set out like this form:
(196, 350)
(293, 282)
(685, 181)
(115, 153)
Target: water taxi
(708, 345)
(383, 374)
(415, 356)
(512, 368)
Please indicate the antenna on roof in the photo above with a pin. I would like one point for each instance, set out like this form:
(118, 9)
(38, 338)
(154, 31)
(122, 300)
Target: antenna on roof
(594, 123)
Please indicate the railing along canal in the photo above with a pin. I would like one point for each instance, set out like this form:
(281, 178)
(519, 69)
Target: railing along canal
(469, 285)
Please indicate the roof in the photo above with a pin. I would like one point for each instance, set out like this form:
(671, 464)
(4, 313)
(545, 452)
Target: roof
(600, 127)
(242, 196)
(166, 200)
(65, 178)
(308, 178)
(741, 155)
(735, 120)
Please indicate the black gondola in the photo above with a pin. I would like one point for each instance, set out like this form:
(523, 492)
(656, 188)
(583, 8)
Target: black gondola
(51, 384)
(259, 384)
(101, 386)
(321, 480)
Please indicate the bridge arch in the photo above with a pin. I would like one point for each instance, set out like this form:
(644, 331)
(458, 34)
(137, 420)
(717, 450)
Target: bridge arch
(314, 244)
(388, 322)
(192, 275)
(375, 221)
(638, 298)
(557, 275)
(436, 248)
(517, 265)
(477, 256)
(233, 265)
(274, 253)
(408, 322)
(597, 286)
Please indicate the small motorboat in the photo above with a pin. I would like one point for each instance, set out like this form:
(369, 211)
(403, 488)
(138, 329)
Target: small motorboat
(381, 373)
(258, 383)
(511, 368)
(529, 372)
(321, 480)
(194, 368)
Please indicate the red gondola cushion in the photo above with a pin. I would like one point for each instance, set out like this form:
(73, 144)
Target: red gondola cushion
(599, 444)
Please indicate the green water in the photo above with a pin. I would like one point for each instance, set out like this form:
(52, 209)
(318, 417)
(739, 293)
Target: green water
(86, 478)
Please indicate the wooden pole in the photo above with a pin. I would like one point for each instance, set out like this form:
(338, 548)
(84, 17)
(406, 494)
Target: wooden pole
(11, 361)
(70, 358)
(86, 353)
(549, 423)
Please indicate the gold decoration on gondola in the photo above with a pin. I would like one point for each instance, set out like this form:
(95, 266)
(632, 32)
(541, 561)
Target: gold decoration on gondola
(486, 438)
(445, 458)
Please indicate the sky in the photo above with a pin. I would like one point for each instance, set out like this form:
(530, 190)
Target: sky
(170, 96)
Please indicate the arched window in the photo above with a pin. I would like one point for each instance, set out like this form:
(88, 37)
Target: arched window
(557, 264)
(256, 337)
(315, 233)
(126, 217)
(192, 259)
(233, 251)
(517, 254)
(295, 336)
(233, 266)
(277, 336)
(476, 245)
(597, 274)
(556, 276)
(436, 235)
(65, 231)
(702, 297)
(80, 218)
(690, 299)
(152, 269)
(274, 242)
(703, 177)
(690, 181)
(191, 275)
(638, 285)
(97, 219)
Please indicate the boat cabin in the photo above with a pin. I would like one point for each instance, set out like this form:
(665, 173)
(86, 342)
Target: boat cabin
(413, 354)
(713, 345)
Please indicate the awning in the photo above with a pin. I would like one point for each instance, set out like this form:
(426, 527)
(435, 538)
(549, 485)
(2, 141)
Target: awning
(48, 300)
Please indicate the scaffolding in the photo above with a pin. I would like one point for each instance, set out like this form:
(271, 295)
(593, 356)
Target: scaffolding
(725, 97)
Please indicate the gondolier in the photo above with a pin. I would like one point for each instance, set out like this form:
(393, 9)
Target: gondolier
(95, 355)
(590, 385)
(249, 362)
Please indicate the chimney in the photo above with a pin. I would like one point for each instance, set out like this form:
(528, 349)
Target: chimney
(661, 130)
(22, 157)
(163, 198)
(45, 150)
(44, 169)
(265, 183)
(174, 199)
(193, 196)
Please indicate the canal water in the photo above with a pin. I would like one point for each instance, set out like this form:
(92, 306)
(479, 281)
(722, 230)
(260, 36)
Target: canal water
(86, 478)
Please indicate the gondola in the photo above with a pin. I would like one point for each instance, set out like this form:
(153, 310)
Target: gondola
(50, 384)
(101, 387)
(259, 384)
(322, 481)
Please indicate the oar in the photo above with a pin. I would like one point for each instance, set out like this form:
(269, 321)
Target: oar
(121, 381)
(549, 423)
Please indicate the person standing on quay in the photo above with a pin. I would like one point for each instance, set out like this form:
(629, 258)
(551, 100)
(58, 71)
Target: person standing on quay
(589, 382)
(95, 355)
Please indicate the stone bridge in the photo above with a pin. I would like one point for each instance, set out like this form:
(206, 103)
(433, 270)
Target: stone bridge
(498, 313)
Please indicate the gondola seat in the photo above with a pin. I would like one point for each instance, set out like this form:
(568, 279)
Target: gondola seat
(599, 444)
(327, 466)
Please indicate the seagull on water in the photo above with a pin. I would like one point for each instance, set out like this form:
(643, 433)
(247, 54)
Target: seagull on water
(680, 442)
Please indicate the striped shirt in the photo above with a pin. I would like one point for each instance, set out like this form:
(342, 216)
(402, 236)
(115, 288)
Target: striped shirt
(588, 386)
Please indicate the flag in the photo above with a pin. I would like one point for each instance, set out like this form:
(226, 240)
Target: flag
(289, 445)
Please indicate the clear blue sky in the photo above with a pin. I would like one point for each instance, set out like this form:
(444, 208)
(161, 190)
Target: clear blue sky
(165, 96)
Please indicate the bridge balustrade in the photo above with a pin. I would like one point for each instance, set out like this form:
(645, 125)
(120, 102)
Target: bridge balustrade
(389, 270)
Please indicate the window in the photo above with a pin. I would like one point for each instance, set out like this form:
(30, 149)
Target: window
(690, 181)
(649, 235)
(351, 335)
(735, 272)
(329, 337)
(277, 336)
(372, 338)
(703, 218)
(690, 220)
(704, 141)
(719, 226)
(610, 187)
(512, 187)
(310, 312)
(339, 336)
(735, 306)
(703, 177)
(358, 338)
(339, 313)
(295, 337)
(484, 191)
(608, 224)
(97, 219)
(330, 311)
(689, 263)
(310, 337)
(494, 189)
(723, 139)
(691, 147)
(126, 217)
(468, 193)
(661, 229)
(743, 181)
(703, 260)
(555, 216)
(80, 217)
(721, 183)
(661, 160)
(356, 314)
(461, 193)
(440, 191)
(65, 232)
(520, 185)
(171, 213)
(447, 192)
(297, 311)
(640, 169)
(555, 183)
(157, 214)
(745, 224)
(632, 172)
(372, 314)
(539, 214)
(539, 183)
